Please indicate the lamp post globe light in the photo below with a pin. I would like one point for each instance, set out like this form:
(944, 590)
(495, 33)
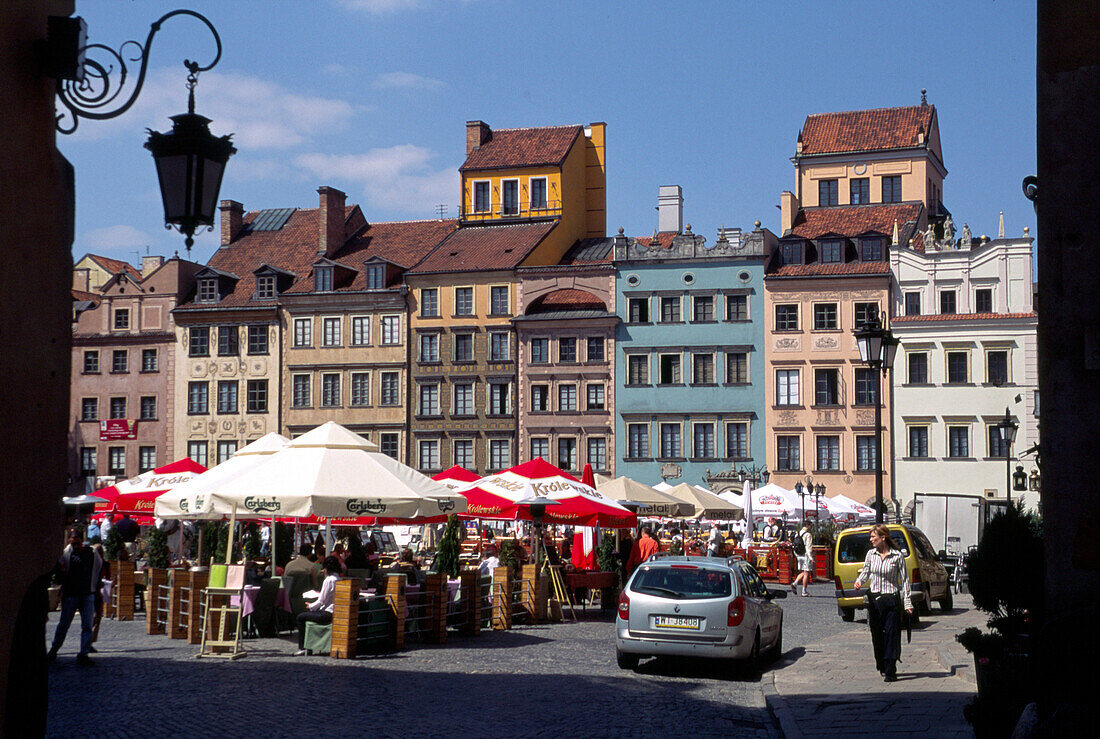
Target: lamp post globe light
(1007, 428)
(877, 349)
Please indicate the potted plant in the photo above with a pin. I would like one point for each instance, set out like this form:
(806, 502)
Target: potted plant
(450, 544)
(1005, 578)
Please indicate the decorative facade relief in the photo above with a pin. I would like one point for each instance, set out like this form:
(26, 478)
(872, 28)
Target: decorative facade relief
(826, 343)
(786, 418)
(788, 344)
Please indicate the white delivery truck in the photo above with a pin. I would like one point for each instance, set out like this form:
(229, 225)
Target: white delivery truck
(953, 522)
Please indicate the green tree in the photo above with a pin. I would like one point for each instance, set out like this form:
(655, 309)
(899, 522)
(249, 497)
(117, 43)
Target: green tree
(447, 556)
(1005, 572)
(113, 544)
(509, 555)
(252, 541)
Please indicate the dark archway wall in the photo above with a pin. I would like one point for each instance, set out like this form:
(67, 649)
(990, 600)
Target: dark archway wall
(1068, 87)
(36, 234)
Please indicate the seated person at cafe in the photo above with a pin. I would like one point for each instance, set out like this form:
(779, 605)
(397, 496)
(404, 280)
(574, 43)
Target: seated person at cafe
(771, 530)
(409, 567)
(303, 565)
(320, 610)
(357, 556)
(489, 561)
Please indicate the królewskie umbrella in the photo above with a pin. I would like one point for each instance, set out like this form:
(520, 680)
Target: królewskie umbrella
(138, 494)
(495, 497)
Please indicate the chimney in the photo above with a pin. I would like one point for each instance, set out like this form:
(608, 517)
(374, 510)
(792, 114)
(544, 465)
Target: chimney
(82, 279)
(150, 265)
(788, 209)
(477, 134)
(330, 221)
(232, 220)
(670, 209)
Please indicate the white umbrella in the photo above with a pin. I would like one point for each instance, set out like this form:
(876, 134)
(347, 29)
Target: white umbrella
(653, 502)
(707, 504)
(773, 501)
(862, 511)
(746, 496)
(332, 472)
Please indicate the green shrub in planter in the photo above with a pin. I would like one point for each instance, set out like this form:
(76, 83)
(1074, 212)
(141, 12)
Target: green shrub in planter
(1005, 572)
(157, 554)
(450, 545)
(113, 544)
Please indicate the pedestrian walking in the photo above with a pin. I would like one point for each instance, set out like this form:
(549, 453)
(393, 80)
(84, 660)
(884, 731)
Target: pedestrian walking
(884, 571)
(79, 569)
(714, 542)
(803, 545)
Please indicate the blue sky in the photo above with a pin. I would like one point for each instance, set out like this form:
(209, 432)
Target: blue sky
(372, 97)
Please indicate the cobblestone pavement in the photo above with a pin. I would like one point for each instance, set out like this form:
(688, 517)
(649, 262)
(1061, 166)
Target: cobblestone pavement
(546, 680)
(829, 686)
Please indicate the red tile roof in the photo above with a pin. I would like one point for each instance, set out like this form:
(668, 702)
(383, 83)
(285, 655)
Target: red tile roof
(866, 130)
(485, 248)
(852, 220)
(852, 269)
(567, 298)
(523, 147)
(963, 317)
(84, 295)
(114, 266)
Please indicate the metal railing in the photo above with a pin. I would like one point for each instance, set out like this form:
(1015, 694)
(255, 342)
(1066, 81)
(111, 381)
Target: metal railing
(160, 612)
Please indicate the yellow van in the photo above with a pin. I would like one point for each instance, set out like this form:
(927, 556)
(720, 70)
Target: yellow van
(928, 577)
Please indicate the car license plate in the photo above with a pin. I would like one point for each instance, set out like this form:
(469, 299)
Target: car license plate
(677, 622)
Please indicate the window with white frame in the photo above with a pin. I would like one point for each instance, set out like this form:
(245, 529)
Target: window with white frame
(499, 346)
(303, 332)
(198, 398)
(227, 396)
(597, 452)
(376, 276)
(786, 387)
(300, 397)
(499, 399)
(567, 453)
(229, 341)
(500, 454)
(360, 330)
(670, 369)
(737, 307)
(670, 309)
(737, 368)
(464, 301)
(958, 363)
(391, 330)
(148, 360)
(91, 363)
(702, 369)
(825, 317)
(198, 344)
(360, 388)
(89, 409)
(509, 197)
(197, 451)
(330, 389)
(567, 398)
(265, 287)
(429, 400)
(388, 444)
(257, 340)
(702, 441)
(540, 350)
(540, 447)
(482, 203)
(122, 319)
(226, 449)
(120, 361)
(88, 461)
(786, 317)
(207, 290)
(464, 453)
(918, 441)
(330, 331)
(865, 454)
(148, 408)
(997, 446)
(538, 193)
(917, 363)
(391, 388)
(116, 461)
(737, 440)
(118, 408)
(429, 347)
(322, 279)
(828, 453)
(147, 458)
(595, 349)
(498, 300)
(671, 443)
(637, 310)
(428, 452)
(996, 366)
(429, 302)
(567, 349)
(256, 392)
(540, 398)
(637, 440)
(463, 399)
(596, 397)
(702, 310)
(788, 457)
(637, 369)
(463, 347)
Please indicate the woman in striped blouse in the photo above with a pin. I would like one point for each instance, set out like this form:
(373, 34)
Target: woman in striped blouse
(885, 572)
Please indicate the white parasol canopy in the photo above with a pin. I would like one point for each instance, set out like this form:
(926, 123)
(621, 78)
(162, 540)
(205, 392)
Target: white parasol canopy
(332, 472)
(707, 504)
(863, 512)
(184, 501)
(773, 501)
(654, 502)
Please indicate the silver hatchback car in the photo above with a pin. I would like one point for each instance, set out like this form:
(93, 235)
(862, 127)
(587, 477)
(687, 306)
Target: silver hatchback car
(697, 607)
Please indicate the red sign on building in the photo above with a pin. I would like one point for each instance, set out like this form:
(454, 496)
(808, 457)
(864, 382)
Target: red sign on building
(118, 429)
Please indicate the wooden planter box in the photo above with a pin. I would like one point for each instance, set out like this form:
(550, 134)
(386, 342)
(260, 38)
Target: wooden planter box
(153, 580)
(823, 562)
(345, 619)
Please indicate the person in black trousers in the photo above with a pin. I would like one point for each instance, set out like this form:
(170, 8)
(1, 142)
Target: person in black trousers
(320, 610)
(885, 572)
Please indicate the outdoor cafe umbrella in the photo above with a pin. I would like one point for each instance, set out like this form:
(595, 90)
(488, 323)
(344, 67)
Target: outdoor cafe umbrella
(862, 512)
(583, 553)
(332, 472)
(652, 502)
(707, 505)
(496, 496)
(772, 501)
(138, 494)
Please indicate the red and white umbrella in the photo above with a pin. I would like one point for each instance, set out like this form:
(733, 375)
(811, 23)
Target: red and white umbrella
(456, 477)
(583, 556)
(495, 497)
(138, 494)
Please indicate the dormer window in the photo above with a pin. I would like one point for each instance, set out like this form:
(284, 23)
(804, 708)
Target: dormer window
(870, 250)
(831, 251)
(538, 193)
(322, 279)
(481, 197)
(376, 276)
(265, 287)
(510, 197)
(208, 290)
(791, 252)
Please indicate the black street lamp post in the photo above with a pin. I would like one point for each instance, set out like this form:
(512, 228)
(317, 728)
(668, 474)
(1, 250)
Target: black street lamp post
(1007, 428)
(877, 348)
